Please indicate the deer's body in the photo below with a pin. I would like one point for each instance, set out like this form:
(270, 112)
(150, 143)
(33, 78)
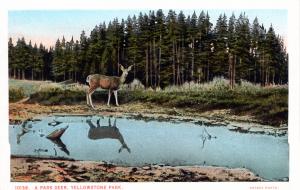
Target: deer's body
(106, 132)
(104, 82)
(110, 83)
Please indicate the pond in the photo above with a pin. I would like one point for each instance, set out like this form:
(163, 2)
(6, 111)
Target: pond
(130, 142)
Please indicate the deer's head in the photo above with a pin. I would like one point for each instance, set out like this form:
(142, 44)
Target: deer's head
(125, 71)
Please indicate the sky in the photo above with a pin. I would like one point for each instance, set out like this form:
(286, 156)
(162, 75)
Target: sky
(47, 26)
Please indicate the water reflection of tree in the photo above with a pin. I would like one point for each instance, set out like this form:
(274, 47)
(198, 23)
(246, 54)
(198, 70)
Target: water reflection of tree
(26, 127)
(58, 142)
(206, 136)
(24, 130)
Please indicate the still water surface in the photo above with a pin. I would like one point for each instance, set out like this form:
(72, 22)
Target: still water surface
(133, 142)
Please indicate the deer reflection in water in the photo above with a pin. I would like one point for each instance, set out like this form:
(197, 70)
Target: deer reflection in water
(104, 132)
(206, 136)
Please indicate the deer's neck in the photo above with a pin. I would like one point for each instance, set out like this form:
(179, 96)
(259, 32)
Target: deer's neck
(122, 78)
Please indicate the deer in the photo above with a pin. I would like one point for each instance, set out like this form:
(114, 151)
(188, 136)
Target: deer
(103, 132)
(110, 83)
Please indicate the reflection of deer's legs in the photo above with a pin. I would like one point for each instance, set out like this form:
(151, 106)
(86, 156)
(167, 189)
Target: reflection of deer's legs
(115, 123)
(116, 97)
(109, 124)
(109, 94)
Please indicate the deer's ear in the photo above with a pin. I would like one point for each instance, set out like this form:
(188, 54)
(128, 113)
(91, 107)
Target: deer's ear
(121, 67)
(130, 67)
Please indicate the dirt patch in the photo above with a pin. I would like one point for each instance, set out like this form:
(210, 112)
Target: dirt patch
(40, 170)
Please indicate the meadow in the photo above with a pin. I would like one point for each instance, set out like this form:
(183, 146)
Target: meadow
(267, 104)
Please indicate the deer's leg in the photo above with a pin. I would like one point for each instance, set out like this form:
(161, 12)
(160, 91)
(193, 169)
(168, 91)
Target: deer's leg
(91, 91)
(87, 98)
(109, 94)
(116, 97)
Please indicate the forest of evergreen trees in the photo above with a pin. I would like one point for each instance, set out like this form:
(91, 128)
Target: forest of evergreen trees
(163, 49)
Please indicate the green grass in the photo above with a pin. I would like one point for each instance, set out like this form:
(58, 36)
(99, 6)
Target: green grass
(28, 86)
(269, 104)
(57, 96)
(16, 94)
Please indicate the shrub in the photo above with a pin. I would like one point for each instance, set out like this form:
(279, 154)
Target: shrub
(16, 94)
(218, 83)
(57, 96)
(49, 87)
(134, 85)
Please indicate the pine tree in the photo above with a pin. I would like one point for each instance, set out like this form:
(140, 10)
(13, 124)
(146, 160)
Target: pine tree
(242, 47)
(162, 48)
(220, 45)
(172, 36)
(11, 59)
(231, 44)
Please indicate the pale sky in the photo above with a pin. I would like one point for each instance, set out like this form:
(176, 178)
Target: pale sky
(47, 26)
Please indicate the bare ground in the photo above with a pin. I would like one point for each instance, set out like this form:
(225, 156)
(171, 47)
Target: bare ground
(42, 170)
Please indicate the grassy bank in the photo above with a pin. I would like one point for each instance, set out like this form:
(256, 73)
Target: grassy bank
(269, 104)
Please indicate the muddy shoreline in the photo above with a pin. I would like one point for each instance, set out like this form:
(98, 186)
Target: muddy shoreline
(49, 170)
(19, 112)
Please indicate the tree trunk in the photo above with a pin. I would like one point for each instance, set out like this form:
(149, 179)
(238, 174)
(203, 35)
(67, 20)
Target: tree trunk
(234, 70)
(177, 62)
(182, 60)
(207, 74)
(23, 74)
(254, 71)
(230, 70)
(273, 77)
(14, 73)
(177, 65)
(118, 70)
(267, 76)
(174, 69)
(155, 64)
(159, 59)
(146, 68)
(32, 73)
(134, 67)
(193, 59)
(178, 75)
(151, 63)
(263, 70)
